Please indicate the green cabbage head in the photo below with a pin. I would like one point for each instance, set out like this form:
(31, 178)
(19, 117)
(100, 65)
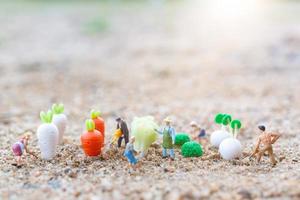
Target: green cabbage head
(142, 129)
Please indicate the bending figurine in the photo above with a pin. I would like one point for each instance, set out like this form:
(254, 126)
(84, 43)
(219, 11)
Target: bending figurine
(265, 140)
(121, 124)
(19, 148)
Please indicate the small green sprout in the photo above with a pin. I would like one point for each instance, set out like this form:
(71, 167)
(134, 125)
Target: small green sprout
(235, 125)
(58, 108)
(219, 118)
(46, 117)
(90, 125)
(226, 120)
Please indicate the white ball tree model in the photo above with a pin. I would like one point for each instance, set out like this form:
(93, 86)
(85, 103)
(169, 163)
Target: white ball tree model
(231, 148)
(219, 135)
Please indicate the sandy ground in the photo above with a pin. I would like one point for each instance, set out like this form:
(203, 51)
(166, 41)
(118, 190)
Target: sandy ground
(154, 59)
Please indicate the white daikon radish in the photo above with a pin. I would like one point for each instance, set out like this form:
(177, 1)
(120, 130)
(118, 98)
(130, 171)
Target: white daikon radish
(60, 120)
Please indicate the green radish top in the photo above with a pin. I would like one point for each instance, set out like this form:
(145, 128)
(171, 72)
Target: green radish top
(219, 118)
(46, 117)
(95, 114)
(58, 108)
(226, 119)
(90, 125)
(235, 125)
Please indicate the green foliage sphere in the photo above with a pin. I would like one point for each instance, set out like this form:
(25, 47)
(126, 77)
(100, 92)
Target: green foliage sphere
(191, 149)
(181, 138)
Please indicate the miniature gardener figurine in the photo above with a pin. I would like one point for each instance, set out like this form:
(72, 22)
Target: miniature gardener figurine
(168, 133)
(129, 153)
(124, 129)
(198, 134)
(266, 139)
(21, 146)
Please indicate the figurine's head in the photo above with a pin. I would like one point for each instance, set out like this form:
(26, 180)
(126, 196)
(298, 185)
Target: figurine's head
(168, 121)
(262, 128)
(132, 139)
(26, 136)
(193, 124)
(118, 119)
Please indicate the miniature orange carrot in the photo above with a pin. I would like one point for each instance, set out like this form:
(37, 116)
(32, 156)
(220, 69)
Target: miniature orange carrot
(99, 122)
(92, 140)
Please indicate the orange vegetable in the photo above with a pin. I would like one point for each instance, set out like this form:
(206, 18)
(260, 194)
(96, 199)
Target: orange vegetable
(92, 140)
(99, 123)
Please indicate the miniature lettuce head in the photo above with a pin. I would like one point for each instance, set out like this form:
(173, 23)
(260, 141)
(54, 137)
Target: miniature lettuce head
(143, 129)
(181, 138)
(191, 149)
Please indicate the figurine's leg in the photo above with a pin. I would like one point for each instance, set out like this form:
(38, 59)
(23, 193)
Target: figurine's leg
(171, 152)
(261, 152)
(259, 155)
(18, 160)
(164, 152)
(126, 139)
(120, 141)
(272, 158)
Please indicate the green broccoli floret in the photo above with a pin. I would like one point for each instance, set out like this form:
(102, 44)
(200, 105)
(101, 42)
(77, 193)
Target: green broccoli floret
(191, 149)
(181, 138)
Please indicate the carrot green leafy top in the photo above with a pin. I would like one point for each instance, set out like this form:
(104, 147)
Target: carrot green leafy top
(90, 125)
(58, 108)
(95, 114)
(46, 117)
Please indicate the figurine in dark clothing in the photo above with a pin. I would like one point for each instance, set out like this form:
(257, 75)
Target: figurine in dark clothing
(124, 129)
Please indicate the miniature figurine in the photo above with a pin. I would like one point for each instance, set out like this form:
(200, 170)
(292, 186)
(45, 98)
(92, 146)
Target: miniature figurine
(99, 123)
(219, 135)
(92, 140)
(129, 153)
(124, 129)
(143, 129)
(20, 147)
(60, 120)
(168, 133)
(266, 140)
(231, 148)
(198, 134)
(47, 135)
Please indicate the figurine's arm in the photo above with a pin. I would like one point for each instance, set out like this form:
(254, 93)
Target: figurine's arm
(158, 131)
(173, 135)
(275, 137)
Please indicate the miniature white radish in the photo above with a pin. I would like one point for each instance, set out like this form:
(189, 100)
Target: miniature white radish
(231, 148)
(60, 120)
(47, 135)
(218, 136)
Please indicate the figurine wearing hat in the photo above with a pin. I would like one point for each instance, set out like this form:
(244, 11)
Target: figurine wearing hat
(265, 140)
(198, 134)
(168, 133)
(121, 125)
